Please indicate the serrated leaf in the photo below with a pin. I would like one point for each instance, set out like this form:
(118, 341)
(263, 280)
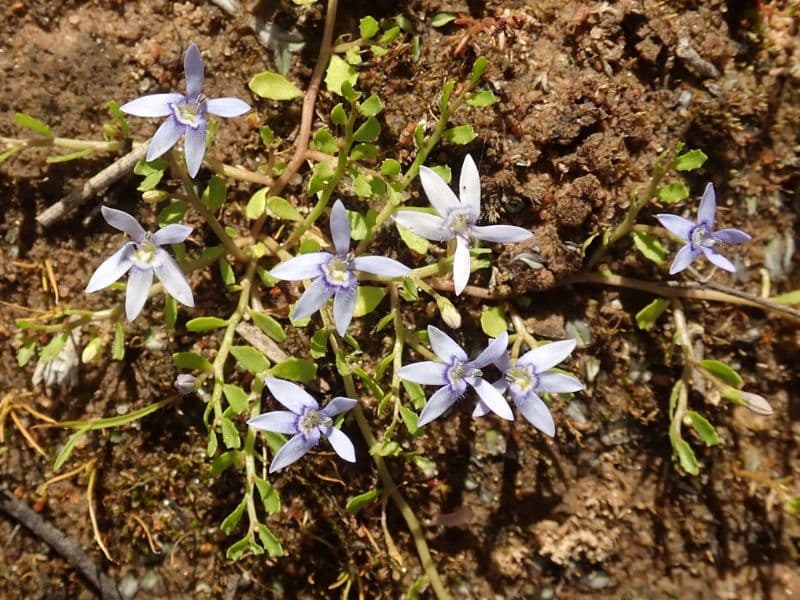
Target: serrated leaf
(647, 317)
(338, 73)
(703, 428)
(691, 160)
(368, 131)
(339, 114)
(324, 141)
(368, 27)
(29, 122)
(269, 497)
(230, 435)
(365, 152)
(27, 350)
(461, 134)
(371, 107)
(722, 371)
(250, 358)
(295, 369)
(273, 86)
(191, 361)
(236, 551)
(493, 321)
(650, 246)
(237, 399)
(283, 209)
(673, 192)
(391, 167)
(482, 98)
(356, 503)
(230, 522)
(441, 19)
(53, 347)
(367, 299)
(268, 325)
(416, 242)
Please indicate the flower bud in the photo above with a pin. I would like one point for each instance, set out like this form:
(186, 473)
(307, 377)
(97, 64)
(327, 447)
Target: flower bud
(185, 383)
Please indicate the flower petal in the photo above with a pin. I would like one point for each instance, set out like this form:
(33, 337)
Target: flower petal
(171, 234)
(139, 282)
(502, 234)
(340, 228)
(493, 352)
(193, 68)
(291, 395)
(292, 451)
(469, 185)
(480, 409)
(719, 260)
(111, 269)
(195, 146)
(173, 278)
(683, 258)
(731, 236)
(279, 421)
(423, 224)
(312, 299)
(227, 107)
(304, 266)
(536, 412)
(493, 399)
(708, 207)
(124, 222)
(444, 347)
(547, 356)
(338, 405)
(153, 105)
(380, 265)
(558, 383)
(438, 192)
(344, 304)
(461, 265)
(676, 225)
(441, 400)
(341, 444)
(165, 137)
(427, 372)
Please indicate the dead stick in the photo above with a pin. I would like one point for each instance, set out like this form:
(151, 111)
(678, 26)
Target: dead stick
(97, 184)
(68, 548)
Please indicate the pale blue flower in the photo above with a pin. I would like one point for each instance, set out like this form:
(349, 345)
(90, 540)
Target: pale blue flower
(143, 256)
(454, 373)
(531, 375)
(457, 218)
(187, 113)
(700, 236)
(304, 421)
(334, 274)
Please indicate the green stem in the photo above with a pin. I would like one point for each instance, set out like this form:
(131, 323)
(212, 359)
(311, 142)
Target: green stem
(68, 143)
(249, 455)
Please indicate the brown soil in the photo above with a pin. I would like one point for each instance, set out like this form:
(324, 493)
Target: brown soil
(590, 93)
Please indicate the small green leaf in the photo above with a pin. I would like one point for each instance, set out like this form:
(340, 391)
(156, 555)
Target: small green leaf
(250, 358)
(368, 131)
(686, 456)
(389, 36)
(673, 192)
(691, 160)
(356, 503)
(269, 541)
(415, 393)
(211, 447)
(391, 168)
(214, 195)
(273, 86)
(360, 225)
(647, 317)
(118, 345)
(33, 124)
(269, 497)
(278, 207)
(386, 448)
(367, 299)
(493, 321)
(324, 141)
(441, 19)
(266, 134)
(226, 273)
(368, 27)
(364, 152)
(447, 91)
(53, 347)
(703, 428)
(650, 246)
(339, 114)
(338, 73)
(462, 134)
(444, 172)
(788, 298)
(410, 419)
(722, 371)
(205, 323)
(60, 158)
(257, 204)
(223, 462)
(371, 107)
(237, 399)
(236, 550)
(478, 68)
(27, 350)
(482, 98)
(191, 361)
(409, 292)
(172, 213)
(90, 352)
(230, 522)
(319, 344)
(268, 325)
(295, 369)
(230, 435)
(416, 242)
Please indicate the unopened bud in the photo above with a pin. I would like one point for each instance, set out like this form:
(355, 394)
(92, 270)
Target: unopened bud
(757, 404)
(185, 384)
(450, 315)
(154, 196)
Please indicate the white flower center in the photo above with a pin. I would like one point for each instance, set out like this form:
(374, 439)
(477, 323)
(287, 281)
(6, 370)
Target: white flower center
(311, 420)
(459, 370)
(460, 220)
(701, 236)
(522, 377)
(145, 256)
(190, 113)
(337, 271)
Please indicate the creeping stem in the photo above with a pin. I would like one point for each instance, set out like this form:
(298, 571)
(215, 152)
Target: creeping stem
(684, 341)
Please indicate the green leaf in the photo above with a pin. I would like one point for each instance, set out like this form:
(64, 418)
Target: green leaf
(673, 192)
(230, 522)
(211, 447)
(278, 207)
(226, 273)
(409, 291)
(410, 419)
(69, 446)
(368, 27)
(650, 246)
(647, 317)
(368, 131)
(27, 350)
(236, 550)
(788, 298)
(703, 428)
(722, 371)
(4, 156)
(266, 134)
(230, 435)
(389, 36)
(441, 19)
(59, 158)
(257, 204)
(386, 448)
(269, 541)
(686, 456)
(447, 91)
(462, 134)
(205, 323)
(324, 141)
(268, 325)
(493, 321)
(269, 497)
(415, 393)
(273, 86)
(53, 347)
(191, 361)
(371, 107)
(482, 98)
(250, 358)
(391, 167)
(360, 225)
(237, 399)
(33, 124)
(214, 195)
(338, 73)
(295, 369)
(691, 160)
(364, 152)
(223, 462)
(367, 299)
(478, 68)
(444, 172)
(374, 388)
(172, 213)
(356, 503)
(339, 114)
(416, 242)
(319, 344)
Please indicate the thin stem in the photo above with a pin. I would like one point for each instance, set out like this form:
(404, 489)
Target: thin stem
(67, 143)
(682, 338)
(240, 173)
(249, 454)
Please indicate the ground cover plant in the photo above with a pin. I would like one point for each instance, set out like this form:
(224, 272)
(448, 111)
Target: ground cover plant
(375, 305)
